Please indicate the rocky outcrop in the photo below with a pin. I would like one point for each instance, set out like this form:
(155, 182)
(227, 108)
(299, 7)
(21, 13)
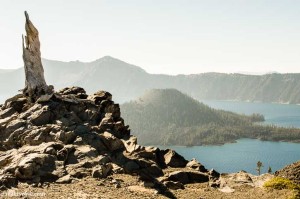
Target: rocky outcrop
(291, 172)
(70, 134)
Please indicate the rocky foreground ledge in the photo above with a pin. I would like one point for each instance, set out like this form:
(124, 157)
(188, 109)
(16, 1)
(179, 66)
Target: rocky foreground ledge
(71, 135)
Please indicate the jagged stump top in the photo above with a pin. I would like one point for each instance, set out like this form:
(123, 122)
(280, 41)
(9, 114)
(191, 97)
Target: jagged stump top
(35, 84)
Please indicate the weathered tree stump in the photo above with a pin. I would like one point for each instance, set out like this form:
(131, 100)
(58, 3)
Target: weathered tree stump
(35, 84)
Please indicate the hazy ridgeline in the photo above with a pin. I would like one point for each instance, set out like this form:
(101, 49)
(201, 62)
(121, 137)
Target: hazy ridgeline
(126, 82)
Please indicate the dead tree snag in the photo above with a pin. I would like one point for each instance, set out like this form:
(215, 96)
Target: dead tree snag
(35, 84)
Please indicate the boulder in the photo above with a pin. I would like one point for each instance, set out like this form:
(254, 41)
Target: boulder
(84, 152)
(75, 90)
(186, 177)
(120, 130)
(5, 121)
(100, 96)
(107, 122)
(78, 172)
(198, 177)
(131, 166)
(153, 170)
(33, 165)
(7, 112)
(14, 125)
(94, 140)
(32, 109)
(213, 174)
(18, 104)
(242, 177)
(114, 109)
(41, 117)
(66, 137)
(233, 180)
(179, 176)
(38, 136)
(173, 159)
(111, 142)
(194, 164)
(102, 171)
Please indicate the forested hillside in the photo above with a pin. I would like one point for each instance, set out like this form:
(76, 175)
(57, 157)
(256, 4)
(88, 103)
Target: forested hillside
(169, 117)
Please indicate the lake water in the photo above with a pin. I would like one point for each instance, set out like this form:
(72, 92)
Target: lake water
(287, 115)
(244, 154)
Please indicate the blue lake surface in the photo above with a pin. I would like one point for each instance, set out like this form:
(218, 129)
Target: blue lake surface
(287, 115)
(244, 154)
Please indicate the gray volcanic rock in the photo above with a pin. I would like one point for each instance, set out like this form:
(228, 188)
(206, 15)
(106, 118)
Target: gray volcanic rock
(58, 135)
(194, 164)
(186, 177)
(173, 159)
(70, 134)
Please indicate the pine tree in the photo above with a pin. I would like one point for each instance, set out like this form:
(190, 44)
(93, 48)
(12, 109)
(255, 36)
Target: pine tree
(269, 170)
(259, 165)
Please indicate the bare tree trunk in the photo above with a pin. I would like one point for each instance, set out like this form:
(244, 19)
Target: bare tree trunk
(35, 84)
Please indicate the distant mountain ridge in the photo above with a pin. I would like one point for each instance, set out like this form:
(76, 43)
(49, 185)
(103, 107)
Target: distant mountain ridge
(126, 82)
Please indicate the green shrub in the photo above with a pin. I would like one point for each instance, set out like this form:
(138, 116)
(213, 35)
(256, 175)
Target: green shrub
(281, 183)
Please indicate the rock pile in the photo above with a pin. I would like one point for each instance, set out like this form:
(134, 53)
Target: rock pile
(69, 134)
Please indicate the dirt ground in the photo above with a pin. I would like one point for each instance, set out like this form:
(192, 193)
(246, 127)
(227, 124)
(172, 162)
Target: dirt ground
(125, 186)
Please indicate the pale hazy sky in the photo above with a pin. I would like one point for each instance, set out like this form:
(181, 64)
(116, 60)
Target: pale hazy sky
(161, 36)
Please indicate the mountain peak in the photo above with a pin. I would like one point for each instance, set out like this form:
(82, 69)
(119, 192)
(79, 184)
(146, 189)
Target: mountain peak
(108, 58)
(115, 63)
